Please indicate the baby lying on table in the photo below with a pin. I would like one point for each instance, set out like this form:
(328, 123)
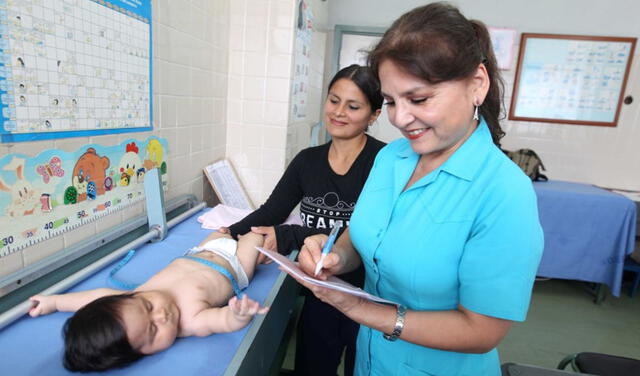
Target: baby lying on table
(192, 296)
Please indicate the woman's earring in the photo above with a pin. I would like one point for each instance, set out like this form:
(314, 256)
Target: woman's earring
(475, 114)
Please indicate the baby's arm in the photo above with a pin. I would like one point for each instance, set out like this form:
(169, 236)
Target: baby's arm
(70, 302)
(234, 316)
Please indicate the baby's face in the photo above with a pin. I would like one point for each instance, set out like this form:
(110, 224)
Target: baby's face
(151, 320)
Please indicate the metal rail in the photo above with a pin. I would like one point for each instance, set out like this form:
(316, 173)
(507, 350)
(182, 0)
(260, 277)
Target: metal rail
(21, 309)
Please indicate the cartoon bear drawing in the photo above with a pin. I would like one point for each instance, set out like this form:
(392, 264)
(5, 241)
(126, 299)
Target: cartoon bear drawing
(90, 167)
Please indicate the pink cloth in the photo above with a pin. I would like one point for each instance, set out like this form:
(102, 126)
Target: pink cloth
(223, 215)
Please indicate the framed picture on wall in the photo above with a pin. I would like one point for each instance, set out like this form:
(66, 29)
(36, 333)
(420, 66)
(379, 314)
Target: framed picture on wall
(571, 79)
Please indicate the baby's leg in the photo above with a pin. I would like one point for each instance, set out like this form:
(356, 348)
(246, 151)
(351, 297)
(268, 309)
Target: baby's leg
(247, 252)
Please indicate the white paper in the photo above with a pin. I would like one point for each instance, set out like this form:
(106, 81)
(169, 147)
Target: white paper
(333, 283)
(503, 40)
(227, 186)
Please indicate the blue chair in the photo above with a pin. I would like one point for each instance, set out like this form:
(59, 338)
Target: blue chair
(632, 266)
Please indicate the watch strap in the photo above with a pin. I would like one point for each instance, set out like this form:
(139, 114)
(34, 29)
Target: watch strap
(397, 329)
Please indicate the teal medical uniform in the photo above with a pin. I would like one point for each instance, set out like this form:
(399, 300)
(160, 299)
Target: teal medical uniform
(465, 234)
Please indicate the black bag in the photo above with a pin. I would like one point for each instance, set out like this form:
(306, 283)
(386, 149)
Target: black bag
(529, 162)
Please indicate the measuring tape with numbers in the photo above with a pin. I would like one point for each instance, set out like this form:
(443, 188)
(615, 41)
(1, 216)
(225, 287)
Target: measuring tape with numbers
(24, 232)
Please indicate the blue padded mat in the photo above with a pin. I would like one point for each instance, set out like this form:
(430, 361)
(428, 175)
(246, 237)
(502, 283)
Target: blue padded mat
(34, 346)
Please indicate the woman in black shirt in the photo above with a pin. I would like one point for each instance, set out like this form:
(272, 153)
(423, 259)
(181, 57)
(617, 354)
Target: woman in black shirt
(326, 181)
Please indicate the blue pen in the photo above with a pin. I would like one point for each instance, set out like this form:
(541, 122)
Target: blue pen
(328, 245)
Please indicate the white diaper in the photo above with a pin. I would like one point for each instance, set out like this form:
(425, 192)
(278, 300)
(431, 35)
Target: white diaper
(227, 249)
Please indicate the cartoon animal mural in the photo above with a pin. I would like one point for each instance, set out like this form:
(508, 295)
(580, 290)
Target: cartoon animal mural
(90, 168)
(50, 169)
(57, 191)
(154, 155)
(130, 166)
(24, 199)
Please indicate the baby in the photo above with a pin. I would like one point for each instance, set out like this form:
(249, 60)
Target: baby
(192, 296)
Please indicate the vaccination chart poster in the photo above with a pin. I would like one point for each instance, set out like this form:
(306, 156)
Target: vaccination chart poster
(58, 191)
(572, 80)
(302, 62)
(72, 68)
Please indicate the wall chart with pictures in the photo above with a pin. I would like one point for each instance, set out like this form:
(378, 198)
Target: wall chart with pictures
(58, 191)
(73, 68)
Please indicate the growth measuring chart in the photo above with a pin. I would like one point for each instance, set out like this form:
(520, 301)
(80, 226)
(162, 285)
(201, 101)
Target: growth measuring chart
(74, 68)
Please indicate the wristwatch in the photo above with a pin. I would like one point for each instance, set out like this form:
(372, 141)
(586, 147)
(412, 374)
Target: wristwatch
(397, 329)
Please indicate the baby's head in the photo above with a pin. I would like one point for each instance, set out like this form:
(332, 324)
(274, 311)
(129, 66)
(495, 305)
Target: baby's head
(116, 330)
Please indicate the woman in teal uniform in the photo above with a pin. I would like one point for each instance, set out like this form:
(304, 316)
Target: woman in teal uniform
(446, 225)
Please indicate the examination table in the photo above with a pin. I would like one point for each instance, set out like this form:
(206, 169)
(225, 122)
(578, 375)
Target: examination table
(34, 346)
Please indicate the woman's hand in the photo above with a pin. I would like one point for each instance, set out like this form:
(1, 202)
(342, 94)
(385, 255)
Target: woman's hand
(342, 301)
(270, 240)
(223, 230)
(311, 253)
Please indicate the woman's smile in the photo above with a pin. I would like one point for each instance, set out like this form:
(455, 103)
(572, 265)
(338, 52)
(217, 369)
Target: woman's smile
(338, 122)
(416, 133)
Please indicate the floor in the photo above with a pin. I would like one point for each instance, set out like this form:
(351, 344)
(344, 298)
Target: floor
(562, 319)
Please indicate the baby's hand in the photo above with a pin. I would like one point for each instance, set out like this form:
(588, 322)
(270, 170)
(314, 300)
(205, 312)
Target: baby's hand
(244, 309)
(42, 305)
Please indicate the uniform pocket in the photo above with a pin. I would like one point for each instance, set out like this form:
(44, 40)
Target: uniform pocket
(451, 206)
(407, 370)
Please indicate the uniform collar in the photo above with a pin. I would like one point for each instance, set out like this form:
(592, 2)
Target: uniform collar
(466, 161)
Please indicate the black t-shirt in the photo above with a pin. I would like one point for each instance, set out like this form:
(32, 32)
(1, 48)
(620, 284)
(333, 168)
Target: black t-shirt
(324, 196)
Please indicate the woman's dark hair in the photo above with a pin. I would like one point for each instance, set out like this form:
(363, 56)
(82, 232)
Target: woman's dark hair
(437, 43)
(365, 80)
(95, 339)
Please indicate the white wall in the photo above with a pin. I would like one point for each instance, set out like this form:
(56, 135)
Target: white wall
(190, 62)
(260, 43)
(598, 155)
(260, 136)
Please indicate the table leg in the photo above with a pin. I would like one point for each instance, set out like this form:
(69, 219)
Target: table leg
(600, 293)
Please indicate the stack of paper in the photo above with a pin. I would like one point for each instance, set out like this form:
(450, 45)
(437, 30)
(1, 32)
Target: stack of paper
(332, 282)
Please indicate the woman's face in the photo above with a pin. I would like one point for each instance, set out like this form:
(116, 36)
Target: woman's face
(151, 320)
(347, 112)
(436, 118)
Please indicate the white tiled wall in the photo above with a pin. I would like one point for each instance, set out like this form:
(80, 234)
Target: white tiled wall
(260, 55)
(190, 69)
(221, 87)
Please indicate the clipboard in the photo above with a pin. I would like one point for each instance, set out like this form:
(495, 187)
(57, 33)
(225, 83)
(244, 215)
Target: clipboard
(334, 283)
(226, 185)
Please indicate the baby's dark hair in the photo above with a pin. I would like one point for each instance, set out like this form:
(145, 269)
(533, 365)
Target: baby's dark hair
(95, 339)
